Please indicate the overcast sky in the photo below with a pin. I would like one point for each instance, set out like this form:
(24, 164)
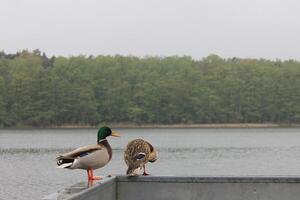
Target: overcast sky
(241, 28)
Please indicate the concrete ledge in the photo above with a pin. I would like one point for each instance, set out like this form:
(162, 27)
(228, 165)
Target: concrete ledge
(104, 189)
(211, 179)
(192, 188)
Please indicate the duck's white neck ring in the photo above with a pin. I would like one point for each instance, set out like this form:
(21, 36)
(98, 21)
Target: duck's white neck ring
(101, 140)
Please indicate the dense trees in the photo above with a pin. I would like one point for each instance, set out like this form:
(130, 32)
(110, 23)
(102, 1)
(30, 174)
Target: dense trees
(39, 91)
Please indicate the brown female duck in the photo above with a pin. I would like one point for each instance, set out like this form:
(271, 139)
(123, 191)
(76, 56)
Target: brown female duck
(137, 153)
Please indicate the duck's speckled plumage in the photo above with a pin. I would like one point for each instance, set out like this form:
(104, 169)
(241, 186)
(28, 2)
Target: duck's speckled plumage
(137, 153)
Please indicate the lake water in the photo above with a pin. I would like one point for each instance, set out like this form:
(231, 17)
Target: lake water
(28, 167)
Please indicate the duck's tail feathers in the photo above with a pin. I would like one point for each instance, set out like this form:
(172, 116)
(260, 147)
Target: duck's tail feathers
(64, 162)
(66, 165)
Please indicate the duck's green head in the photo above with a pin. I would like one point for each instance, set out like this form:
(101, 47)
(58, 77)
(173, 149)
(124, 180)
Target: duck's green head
(104, 132)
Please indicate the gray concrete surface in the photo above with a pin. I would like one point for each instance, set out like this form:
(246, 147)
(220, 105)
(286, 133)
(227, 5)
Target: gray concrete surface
(96, 190)
(192, 188)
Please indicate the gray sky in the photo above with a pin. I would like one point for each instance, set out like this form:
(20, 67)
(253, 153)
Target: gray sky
(242, 28)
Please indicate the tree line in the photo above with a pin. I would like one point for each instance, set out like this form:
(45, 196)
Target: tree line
(40, 91)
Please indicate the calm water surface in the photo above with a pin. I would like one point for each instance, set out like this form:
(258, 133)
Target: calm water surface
(28, 166)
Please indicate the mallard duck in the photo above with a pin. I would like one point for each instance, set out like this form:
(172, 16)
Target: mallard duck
(89, 157)
(137, 153)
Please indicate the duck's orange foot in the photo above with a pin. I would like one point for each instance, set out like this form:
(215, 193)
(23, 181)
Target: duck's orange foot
(91, 176)
(95, 178)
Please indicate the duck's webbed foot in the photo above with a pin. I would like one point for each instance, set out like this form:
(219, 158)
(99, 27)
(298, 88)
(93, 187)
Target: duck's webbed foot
(145, 173)
(91, 176)
(96, 178)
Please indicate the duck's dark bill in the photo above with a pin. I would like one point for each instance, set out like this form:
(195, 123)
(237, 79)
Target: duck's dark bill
(152, 161)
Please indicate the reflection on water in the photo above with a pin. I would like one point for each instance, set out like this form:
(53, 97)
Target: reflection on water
(28, 165)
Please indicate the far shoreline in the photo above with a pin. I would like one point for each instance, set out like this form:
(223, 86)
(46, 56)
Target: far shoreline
(149, 126)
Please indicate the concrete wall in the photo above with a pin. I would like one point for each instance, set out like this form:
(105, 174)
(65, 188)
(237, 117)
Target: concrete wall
(209, 188)
(100, 190)
(85, 190)
(192, 188)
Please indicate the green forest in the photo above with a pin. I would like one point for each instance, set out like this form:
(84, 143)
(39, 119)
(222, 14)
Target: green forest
(41, 91)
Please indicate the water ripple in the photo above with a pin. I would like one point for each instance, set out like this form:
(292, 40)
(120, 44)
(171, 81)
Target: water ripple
(32, 150)
(168, 150)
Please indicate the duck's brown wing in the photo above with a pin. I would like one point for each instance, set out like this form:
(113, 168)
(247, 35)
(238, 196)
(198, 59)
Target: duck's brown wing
(136, 152)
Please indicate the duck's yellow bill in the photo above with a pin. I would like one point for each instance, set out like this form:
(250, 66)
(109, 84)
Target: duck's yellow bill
(115, 134)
